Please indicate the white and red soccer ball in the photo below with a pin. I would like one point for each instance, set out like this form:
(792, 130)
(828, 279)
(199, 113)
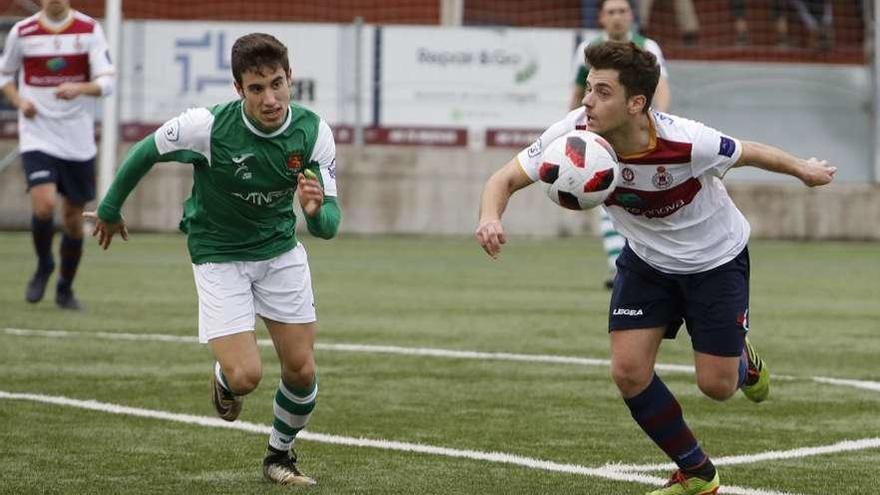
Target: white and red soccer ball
(579, 170)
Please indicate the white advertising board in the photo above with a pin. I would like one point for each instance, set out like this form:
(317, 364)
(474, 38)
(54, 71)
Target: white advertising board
(474, 77)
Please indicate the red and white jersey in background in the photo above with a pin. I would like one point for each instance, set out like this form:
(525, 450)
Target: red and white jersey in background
(670, 203)
(45, 55)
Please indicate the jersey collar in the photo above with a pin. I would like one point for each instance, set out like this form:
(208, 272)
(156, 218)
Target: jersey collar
(652, 143)
(260, 133)
(605, 37)
(56, 27)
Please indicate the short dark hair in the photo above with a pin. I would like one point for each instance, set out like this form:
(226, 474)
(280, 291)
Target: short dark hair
(637, 69)
(601, 4)
(256, 51)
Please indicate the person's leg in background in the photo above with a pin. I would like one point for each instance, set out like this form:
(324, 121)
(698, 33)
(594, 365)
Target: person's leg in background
(688, 22)
(738, 9)
(42, 177)
(779, 12)
(589, 14)
(612, 243)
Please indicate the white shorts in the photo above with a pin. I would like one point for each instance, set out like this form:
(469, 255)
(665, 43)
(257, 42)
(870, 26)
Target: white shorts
(232, 293)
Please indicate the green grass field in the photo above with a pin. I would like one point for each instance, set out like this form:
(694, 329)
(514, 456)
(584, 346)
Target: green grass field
(815, 312)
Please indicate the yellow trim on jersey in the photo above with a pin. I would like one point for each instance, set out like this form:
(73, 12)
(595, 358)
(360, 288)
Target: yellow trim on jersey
(652, 143)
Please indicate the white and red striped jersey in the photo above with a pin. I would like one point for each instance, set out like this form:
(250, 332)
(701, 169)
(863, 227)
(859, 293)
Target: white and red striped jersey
(46, 55)
(670, 203)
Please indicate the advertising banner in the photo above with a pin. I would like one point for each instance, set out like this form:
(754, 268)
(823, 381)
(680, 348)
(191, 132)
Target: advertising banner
(169, 66)
(474, 77)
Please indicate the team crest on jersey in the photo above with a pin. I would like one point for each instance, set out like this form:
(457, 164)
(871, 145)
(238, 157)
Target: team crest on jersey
(295, 162)
(627, 174)
(535, 149)
(662, 179)
(171, 130)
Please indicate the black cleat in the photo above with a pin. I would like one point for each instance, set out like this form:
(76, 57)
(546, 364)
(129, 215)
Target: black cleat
(66, 300)
(227, 404)
(280, 468)
(36, 287)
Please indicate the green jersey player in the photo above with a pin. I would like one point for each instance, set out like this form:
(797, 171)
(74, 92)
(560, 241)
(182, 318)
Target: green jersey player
(249, 157)
(616, 19)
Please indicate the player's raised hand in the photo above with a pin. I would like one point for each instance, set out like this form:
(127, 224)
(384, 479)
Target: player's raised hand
(105, 231)
(309, 192)
(490, 235)
(817, 172)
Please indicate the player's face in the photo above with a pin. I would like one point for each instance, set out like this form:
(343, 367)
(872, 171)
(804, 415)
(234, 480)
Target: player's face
(616, 18)
(605, 100)
(55, 8)
(266, 94)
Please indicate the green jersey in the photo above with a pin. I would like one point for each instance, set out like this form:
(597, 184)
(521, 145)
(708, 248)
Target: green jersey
(580, 68)
(241, 206)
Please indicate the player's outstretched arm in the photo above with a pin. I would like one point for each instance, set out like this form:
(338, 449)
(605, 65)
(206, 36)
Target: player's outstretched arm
(812, 172)
(108, 216)
(105, 231)
(496, 195)
(662, 96)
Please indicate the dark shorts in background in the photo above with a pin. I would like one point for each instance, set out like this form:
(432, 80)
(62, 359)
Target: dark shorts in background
(74, 179)
(714, 304)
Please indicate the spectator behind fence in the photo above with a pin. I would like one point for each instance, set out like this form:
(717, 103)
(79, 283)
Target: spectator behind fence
(777, 12)
(816, 16)
(685, 16)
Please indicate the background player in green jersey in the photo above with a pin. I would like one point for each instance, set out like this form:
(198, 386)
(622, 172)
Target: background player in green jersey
(616, 19)
(249, 156)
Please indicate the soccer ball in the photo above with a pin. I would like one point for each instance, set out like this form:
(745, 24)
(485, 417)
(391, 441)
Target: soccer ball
(579, 170)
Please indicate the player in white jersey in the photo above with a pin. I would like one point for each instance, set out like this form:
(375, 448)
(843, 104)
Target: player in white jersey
(686, 258)
(62, 62)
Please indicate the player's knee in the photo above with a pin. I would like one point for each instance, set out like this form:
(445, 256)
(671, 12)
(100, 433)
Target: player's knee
(73, 226)
(631, 378)
(717, 388)
(302, 376)
(243, 379)
(44, 210)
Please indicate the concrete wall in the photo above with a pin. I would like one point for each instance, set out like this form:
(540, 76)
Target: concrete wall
(809, 110)
(436, 191)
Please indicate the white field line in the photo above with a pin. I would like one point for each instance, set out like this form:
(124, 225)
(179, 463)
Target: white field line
(773, 455)
(372, 349)
(497, 457)
(420, 351)
(875, 386)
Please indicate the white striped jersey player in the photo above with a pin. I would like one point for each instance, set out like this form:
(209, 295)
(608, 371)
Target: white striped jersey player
(670, 203)
(46, 54)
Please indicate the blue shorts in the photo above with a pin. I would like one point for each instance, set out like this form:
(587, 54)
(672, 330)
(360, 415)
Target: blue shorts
(74, 179)
(713, 304)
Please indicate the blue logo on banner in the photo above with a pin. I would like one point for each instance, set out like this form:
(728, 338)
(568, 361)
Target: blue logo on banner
(728, 146)
(186, 48)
